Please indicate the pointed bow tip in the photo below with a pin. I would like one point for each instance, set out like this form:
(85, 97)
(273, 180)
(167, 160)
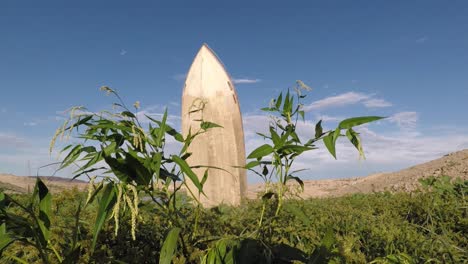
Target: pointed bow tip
(205, 47)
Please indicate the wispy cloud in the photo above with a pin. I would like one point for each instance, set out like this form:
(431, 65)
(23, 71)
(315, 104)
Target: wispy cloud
(12, 140)
(179, 76)
(173, 103)
(422, 39)
(3, 110)
(406, 120)
(32, 123)
(340, 100)
(123, 52)
(391, 149)
(245, 80)
(183, 76)
(326, 118)
(348, 98)
(374, 103)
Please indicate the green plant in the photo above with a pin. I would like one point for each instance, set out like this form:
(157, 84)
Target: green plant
(274, 160)
(274, 163)
(32, 226)
(131, 161)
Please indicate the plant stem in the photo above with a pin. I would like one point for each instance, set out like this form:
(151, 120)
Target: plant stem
(261, 215)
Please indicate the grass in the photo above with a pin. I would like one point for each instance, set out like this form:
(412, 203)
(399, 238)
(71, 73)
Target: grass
(419, 227)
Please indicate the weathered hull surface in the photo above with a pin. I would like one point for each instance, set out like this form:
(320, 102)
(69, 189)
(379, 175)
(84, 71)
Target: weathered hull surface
(224, 147)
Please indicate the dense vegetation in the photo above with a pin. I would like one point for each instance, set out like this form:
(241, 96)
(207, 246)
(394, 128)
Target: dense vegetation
(428, 226)
(140, 209)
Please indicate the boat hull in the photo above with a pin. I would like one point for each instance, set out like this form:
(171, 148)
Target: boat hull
(209, 86)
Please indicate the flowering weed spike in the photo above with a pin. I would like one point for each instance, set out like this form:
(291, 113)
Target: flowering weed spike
(116, 211)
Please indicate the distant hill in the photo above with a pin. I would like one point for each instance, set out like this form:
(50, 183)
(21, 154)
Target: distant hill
(23, 184)
(454, 165)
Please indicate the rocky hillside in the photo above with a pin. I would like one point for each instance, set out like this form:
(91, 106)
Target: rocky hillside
(24, 184)
(454, 165)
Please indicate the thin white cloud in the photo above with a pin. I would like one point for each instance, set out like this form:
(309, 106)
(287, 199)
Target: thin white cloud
(406, 120)
(179, 76)
(245, 81)
(348, 98)
(399, 146)
(422, 39)
(340, 100)
(327, 118)
(32, 123)
(375, 103)
(173, 103)
(123, 52)
(12, 140)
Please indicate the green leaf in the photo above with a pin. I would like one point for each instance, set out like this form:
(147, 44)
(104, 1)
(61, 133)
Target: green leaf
(287, 104)
(137, 170)
(83, 170)
(330, 144)
(318, 129)
(81, 121)
(156, 163)
(164, 174)
(302, 114)
(298, 213)
(118, 167)
(71, 157)
(262, 135)
(169, 246)
(169, 130)
(205, 177)
(279, 100)
(5, 239)
(323, 252)
(275, 138)
(252, 164)
(45, 200)
(289, 254)
(261, 152)
(94, 193)
(160, 136)
(128, 114)
(356, 121)
(265, 170)
(185, 168)
(297, 179)
(268, 109)
(3, 200)
(268, 196)
(65, 148)
(297, 149)
(355, 140)
(205, 125)
(106, 205)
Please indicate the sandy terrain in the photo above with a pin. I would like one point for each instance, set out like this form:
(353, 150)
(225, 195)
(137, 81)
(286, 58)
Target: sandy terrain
(454, 165)
(23, 184)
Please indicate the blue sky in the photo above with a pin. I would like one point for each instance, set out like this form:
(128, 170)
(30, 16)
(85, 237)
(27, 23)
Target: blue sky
(401, 59)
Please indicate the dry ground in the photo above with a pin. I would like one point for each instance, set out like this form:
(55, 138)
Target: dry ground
(24, 184)
(454, 165)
